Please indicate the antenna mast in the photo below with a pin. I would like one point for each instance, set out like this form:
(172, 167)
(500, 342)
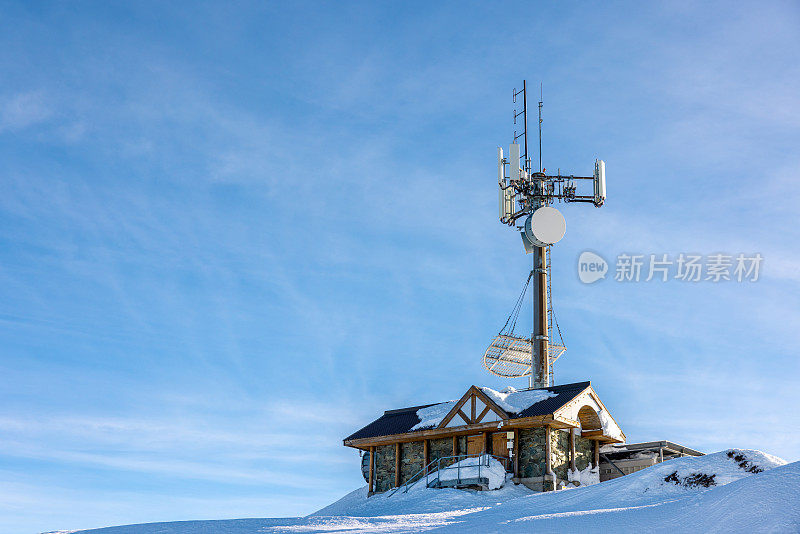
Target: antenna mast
(523, 193)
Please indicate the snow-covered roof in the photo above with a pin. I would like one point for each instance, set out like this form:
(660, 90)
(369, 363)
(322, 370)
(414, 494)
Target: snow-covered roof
(510, 399)
(516, 403)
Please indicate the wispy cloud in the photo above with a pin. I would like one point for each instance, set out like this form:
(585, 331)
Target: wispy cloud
(23, 110)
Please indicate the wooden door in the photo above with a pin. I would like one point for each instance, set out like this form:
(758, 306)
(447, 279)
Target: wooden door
(475, 444)
(500, 448)
(500, 444)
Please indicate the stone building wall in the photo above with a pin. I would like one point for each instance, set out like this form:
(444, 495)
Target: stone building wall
(440, 448)
(412, 459)
(584, 453)
(365, 465)
(559, 450)
(531, 452)
(384, 467)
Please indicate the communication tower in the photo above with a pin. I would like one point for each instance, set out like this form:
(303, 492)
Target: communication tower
(525, 193)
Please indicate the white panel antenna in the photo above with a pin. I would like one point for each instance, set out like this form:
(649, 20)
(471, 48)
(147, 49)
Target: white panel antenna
(501, 182)
(513, 162)
(599, 182)
(506, 193)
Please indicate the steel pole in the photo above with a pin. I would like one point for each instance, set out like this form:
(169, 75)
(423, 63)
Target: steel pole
(540, 376)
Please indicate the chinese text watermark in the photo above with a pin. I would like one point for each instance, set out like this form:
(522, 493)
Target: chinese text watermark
(664, 267)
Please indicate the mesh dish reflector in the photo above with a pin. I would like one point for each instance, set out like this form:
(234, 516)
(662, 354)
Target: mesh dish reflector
(510, 356)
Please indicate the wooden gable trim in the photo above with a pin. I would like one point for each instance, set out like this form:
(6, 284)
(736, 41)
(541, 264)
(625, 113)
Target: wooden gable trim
(593, 434)
(456, 410)
(471, 394)
(491, 404)
(464, 416)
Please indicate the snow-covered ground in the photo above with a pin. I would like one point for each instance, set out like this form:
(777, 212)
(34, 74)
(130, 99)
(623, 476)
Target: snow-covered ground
(484, 466)
(730, 491)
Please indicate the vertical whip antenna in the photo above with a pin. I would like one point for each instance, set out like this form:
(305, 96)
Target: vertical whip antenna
(541, 101)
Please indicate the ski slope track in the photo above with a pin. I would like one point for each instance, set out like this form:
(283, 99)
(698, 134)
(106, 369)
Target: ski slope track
(730, 491)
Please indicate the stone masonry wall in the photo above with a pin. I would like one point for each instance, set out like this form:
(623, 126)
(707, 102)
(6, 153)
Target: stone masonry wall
(365, 465)
(384, 467)
(584, 453)
(559, 449)
(440, 448)
(412, 459)
(531, 452)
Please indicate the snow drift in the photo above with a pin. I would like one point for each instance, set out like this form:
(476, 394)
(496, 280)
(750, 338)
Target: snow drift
(730, 491)
(483, 466)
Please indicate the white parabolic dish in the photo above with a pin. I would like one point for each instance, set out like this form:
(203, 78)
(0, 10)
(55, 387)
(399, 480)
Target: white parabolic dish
(545, 226)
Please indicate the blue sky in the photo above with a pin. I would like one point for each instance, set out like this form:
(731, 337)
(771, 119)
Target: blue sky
(233, 233)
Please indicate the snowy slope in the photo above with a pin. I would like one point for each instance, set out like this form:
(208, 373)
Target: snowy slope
(730, 491)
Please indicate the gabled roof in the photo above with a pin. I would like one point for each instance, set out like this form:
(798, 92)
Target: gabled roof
(404, 420)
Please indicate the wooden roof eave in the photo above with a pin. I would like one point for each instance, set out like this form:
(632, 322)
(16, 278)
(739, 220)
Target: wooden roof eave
(433, 433)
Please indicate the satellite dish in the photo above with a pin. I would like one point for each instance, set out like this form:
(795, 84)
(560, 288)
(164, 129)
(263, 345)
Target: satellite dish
(545, 226)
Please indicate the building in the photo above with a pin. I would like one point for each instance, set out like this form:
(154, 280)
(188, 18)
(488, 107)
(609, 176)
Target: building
(617, 460)
(544, 436)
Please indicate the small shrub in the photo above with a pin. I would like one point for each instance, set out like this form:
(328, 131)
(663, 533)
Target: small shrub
(743, 463)
(692, 481)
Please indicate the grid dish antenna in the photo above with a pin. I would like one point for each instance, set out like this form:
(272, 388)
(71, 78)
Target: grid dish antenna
(509, 354)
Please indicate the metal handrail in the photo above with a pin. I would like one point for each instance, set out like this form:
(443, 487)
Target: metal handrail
(427, 472)
(411, 480)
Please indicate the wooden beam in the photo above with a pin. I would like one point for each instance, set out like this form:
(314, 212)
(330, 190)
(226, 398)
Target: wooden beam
(487, 437)
(472, 418)
(371, 470)
(572, 450)
(516, 452)
(527, 422)
(397, 465)
(472, 394)
(596, 455)
(485, 409)
(548, 460)
(426, 454)
(467, 420)
(456, 409)
(455, 445)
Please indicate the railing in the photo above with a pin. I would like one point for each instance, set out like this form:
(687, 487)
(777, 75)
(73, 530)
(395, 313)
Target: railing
(427, 472)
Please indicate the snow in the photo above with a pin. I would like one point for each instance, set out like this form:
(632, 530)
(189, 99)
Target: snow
(610, 428)
(432, 415)
(586, 477)
(476, 467)
(510, 400)
(742, 499)
(514, 401)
